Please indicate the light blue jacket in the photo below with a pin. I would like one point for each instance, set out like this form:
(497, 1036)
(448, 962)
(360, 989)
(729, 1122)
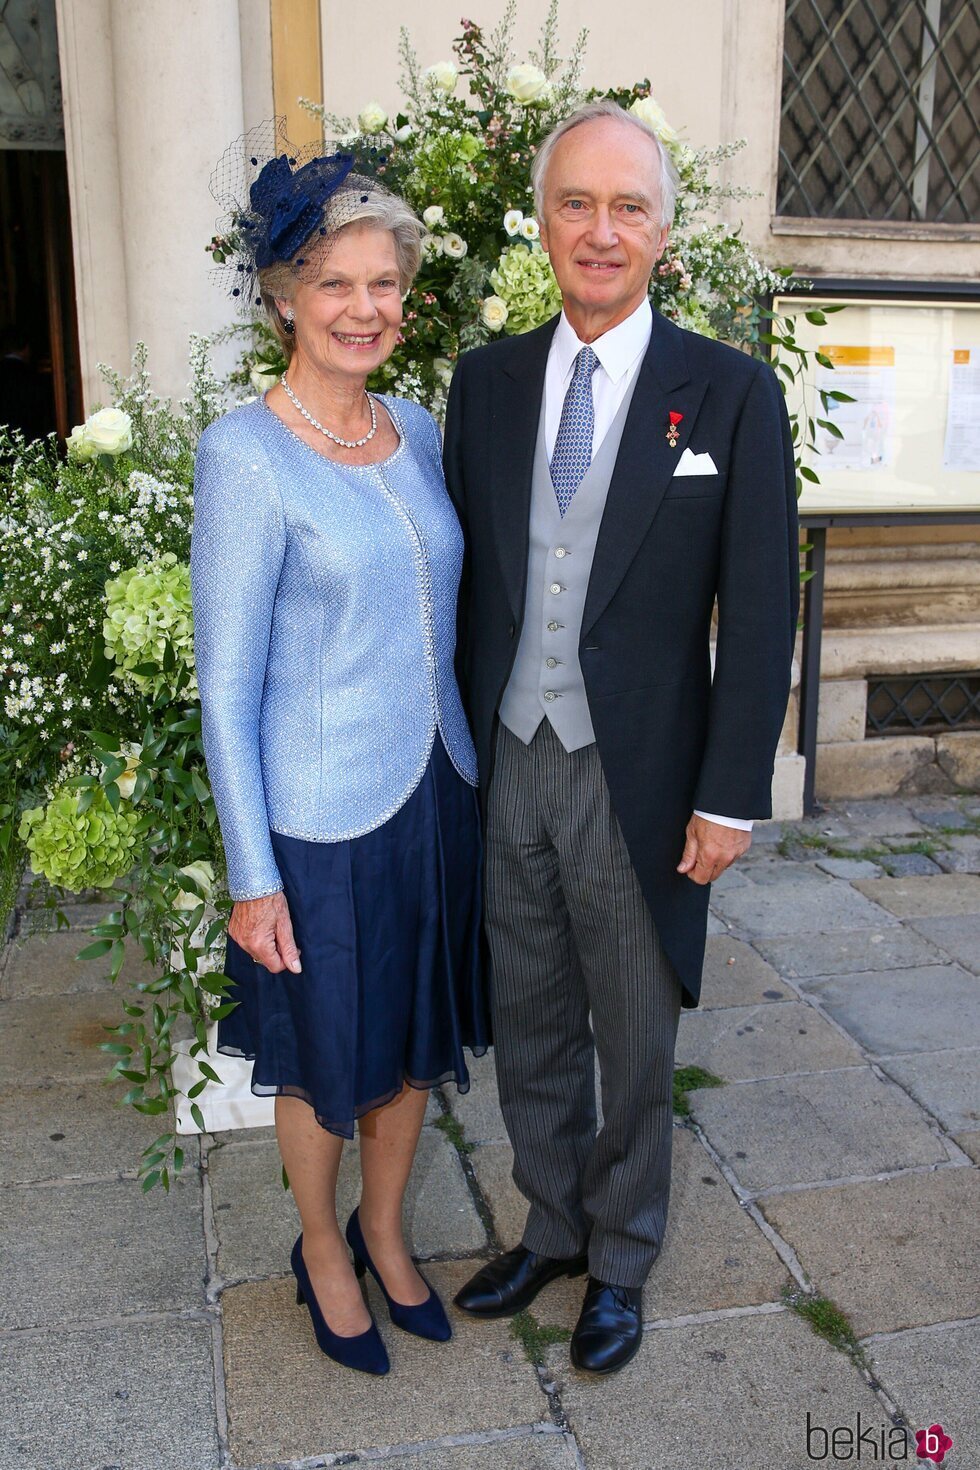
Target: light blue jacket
(324, 632)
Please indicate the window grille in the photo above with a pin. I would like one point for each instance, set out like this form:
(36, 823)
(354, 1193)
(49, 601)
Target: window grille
(881, 110)
(930, 703)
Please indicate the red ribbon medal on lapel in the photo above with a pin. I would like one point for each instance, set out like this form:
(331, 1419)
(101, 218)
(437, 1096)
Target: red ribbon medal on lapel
(672, 431)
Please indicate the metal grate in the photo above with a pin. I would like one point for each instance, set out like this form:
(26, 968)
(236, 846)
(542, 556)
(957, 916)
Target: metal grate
(931, 702)
(881, 110)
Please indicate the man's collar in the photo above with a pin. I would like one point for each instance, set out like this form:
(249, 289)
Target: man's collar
(617, 349)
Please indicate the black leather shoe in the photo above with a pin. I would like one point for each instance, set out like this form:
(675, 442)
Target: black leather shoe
(610, 1328)
(507, 1285)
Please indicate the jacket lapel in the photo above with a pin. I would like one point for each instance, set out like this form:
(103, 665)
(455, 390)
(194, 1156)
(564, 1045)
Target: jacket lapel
(645, 463)
(518, 392)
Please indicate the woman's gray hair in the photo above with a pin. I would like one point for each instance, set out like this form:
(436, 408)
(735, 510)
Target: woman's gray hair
(591, 112)
(382, 210)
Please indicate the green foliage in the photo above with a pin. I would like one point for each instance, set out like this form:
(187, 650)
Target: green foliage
(148, 625)
(826, 1319)
(688, 1079)
(102, 774)
(453, 1130)
(78, 840)
(534, 1338)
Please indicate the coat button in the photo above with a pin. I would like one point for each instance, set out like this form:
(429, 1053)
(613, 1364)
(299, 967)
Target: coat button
(511, 630)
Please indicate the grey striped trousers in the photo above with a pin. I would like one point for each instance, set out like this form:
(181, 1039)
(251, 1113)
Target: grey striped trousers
(571, 936)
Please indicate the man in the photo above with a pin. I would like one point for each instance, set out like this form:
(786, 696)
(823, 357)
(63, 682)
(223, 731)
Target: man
(618, 779)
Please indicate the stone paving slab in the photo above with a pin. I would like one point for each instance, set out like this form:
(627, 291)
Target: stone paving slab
(48, 965)
(907, 1255)
(958, 936)
(849, 868)
(804, 908)
(735, 975)
(794, 1130)
(287, 1401)
(767, 869)
(881, 948)
(879, 818)
(543, 1450)
(257, 1220)
(910, 865)
(938, 815)
(742, 1042)
(82, 916)
(139, 1397)
(945, 1082)
(77, 1251)
(70, 1129)
(479, 1109)
(961, 855)
(899, 1011)
(970, 1144)
(716, 925)
(713, 1258)
(55, 1038)
(932, 1375)
(724, 1394)
(925, 898)
(493, 1164)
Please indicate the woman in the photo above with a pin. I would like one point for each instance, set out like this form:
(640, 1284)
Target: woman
(325, 565)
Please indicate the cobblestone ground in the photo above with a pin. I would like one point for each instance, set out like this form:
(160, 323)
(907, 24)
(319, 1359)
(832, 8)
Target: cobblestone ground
(835, 1163)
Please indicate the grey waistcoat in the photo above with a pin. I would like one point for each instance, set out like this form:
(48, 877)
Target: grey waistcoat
(546, 680)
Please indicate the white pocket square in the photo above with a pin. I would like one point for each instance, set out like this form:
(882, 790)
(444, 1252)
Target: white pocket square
(695, 464)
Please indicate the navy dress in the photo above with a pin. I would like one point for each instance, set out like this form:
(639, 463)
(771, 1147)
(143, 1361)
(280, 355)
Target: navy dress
(391, 990)
(341, 763)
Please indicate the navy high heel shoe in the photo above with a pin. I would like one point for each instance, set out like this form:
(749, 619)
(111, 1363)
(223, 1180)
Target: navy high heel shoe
(428, 1319)
(365, 1352)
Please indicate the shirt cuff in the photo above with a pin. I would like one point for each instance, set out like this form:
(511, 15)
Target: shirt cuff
(740, 823)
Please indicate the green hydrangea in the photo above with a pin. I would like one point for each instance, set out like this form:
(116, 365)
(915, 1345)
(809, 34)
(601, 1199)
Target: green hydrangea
(148, 607)
(523, 278)
(447, 161)
(77, 851)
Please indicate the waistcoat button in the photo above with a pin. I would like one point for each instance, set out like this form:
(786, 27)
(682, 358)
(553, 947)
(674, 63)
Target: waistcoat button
(555, 587)
(549, 695)
(560, 551)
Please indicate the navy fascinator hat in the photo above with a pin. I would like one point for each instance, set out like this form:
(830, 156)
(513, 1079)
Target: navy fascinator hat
(281, 205)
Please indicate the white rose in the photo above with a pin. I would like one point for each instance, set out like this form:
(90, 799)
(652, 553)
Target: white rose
(525, 83)
(372, 118)
(434, 215)
(493, 312)
(443, 369)
(262, 377)
(79, 445)
(513, 220)
(202, 874)
(431, 246)
(109, 431)
(651, 113)
(443, 75)
(529, 228)
(403, 134)
(127, 780)
(454, 246)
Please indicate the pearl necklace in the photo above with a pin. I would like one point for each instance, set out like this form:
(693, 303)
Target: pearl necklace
(346, 443)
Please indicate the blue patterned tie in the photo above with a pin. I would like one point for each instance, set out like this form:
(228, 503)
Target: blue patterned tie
(573, 447)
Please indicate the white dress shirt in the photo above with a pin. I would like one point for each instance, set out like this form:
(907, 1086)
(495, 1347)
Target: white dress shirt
(620, 352)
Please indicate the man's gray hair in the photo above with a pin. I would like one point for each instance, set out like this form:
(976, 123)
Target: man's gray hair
(592, 112)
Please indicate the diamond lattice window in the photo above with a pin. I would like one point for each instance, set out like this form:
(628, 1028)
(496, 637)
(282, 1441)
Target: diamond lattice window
(881, 110)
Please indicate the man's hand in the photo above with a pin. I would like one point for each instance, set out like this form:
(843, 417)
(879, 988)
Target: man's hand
(264, 930)
(710, 849)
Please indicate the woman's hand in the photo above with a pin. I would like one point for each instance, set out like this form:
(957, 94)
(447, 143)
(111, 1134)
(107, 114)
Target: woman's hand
(264, 930)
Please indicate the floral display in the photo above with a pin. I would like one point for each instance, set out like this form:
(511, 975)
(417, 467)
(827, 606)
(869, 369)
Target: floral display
(103, 783)
(459, 146)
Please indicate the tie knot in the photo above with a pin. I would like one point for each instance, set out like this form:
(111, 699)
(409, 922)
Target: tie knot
(585, 363)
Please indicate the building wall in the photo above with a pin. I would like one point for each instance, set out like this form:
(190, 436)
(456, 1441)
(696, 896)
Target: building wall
(639, 38)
